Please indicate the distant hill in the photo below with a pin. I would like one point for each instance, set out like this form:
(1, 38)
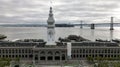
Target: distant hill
(59, 25)
(23, 25)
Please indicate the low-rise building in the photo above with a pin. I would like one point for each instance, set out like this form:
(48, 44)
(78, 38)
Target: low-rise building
(38, 52)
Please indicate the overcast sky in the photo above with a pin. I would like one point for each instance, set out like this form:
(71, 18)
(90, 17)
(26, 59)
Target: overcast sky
(36, 11)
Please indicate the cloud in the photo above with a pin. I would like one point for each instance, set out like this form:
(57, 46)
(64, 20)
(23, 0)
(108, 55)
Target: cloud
(36, 11)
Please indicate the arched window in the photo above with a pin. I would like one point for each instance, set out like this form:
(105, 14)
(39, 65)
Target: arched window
(57, 53)
(50, 53)
(42, 53)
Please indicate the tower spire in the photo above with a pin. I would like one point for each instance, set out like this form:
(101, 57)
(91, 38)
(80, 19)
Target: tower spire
(51, 3)
(50, 28)
(51, 12)
(50, 18)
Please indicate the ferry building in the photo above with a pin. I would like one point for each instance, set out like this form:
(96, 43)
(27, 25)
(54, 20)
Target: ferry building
(36, 50)
(39, 51)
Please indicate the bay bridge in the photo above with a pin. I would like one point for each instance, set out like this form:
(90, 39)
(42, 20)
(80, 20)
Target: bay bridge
(110, 24)
(97, 25)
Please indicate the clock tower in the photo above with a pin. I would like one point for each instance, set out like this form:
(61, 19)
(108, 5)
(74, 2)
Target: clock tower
(50, 28)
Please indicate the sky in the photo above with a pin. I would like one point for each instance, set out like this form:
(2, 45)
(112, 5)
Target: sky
(65, 11)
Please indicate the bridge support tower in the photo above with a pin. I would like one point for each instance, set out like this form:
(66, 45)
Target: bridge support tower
(111, 24)
(81, 24)
(92, 26)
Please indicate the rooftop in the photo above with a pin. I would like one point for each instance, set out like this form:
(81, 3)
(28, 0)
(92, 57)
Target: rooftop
(58, 44)
(94, 44)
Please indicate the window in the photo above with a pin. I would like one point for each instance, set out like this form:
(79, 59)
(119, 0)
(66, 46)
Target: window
(26, 51)
(42, 58)
(57, 53)
(22, 56)
(108, 50)
(105, 50)
(50, 53)
(12, 56)
(9, 55)
(26, 56)
(36, 57)
(19, 55)
(22, 50)
(77, 55)
(19, 51)
(3, 51)
(12, 51)
(29, 51)
(42, 53)
(16, 56)
(16, 50)
(6, 51)
(30, 56)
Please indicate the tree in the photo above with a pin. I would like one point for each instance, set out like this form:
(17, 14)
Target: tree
(90, 59)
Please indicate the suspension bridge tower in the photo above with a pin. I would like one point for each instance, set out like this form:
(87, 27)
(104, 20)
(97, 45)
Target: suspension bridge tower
(111, 24)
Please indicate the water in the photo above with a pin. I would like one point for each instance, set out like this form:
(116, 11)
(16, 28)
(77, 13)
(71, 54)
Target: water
(41, 33)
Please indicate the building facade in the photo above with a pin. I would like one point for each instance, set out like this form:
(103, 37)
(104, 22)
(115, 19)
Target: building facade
(40, 53)
(95, 49)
